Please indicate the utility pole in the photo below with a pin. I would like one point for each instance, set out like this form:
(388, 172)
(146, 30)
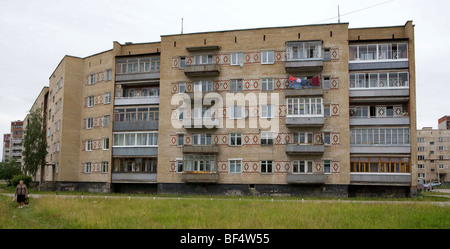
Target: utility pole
(182, 25)
(339, 16)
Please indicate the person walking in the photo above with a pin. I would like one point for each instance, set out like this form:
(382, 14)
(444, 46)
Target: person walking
(21, 192)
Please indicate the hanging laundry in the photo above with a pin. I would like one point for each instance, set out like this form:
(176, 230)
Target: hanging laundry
(315, 81)
(292, 80)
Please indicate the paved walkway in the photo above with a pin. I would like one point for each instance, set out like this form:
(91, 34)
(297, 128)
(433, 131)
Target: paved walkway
(440, 203)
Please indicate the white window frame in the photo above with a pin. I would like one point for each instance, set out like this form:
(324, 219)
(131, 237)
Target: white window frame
(179, 136)
(421, 166)
(105, 166)
(203, 59)
(267, 111)
(92, 78)
(181, 85)
(178, 162)
(266, 164)
(305, 104)
(234, 114)
(236, 137)
(203, 86)
(267, 136)
(267, 57)
(88, 167)
(108, 74)
(308, 137)
(89, 145)
(306, 164)
(107, 98)
(106, 120)
(324, 135)
(90, 101)
(232, 163)
(329, 166)
(236, 85)
(105, 141)
(202, 139)
(151, 139)
(421, 175)
(237, 59)
(89, 123)
(441, 166)
(267, 84)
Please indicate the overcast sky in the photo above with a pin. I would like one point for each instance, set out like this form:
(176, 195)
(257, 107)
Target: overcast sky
(36, 34)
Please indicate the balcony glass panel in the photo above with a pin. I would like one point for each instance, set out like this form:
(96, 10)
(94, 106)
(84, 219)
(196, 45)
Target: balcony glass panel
(378, 52)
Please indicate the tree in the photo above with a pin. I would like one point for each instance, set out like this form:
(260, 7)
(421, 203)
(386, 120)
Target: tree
(34, 143)
(8, 169)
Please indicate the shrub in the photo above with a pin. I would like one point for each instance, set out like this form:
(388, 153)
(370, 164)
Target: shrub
(16, 179)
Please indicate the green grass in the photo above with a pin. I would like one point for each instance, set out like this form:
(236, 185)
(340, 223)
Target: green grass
(51, 212)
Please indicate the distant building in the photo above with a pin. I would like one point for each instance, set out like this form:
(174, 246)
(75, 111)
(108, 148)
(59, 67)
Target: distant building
(444, 123)
(6, 144)
(15, 147)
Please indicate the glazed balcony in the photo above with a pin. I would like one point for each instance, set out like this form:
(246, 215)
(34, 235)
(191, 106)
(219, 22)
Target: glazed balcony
(136, 125)
(368, 121)
(373, 178)
(141, 100)
(305, 56)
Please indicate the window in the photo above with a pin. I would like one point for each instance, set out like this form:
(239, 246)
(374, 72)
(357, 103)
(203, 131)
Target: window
(421, 166)
(420, 139)
(379, 80)
(89, 123)
(202, 139)
(180, 139)
(203, 86)
(441, 166)
(106, 119)
(180, 113)
(203, 59)
(266, 138)
(104, 167)
(420, 157)
(179, 165)
(267, 85)
(304, 106)
(92, 79)
(441, 148)
(236, 85)
(235, 139)
(237, 59)
(380, 136)
(105, 143)
(326, 111)
(441, 157)
(304, 50)
(182, 87)
(421, 175)
(141, 139)
(87, 168)
(421, 148)
(236, 112)
(431, 143)
(302, 166)
(303, 137)
(107, 98)
(327, 138)
(441, 139)
(267, 57)
(326, 83)
(267, 111)
(90, 101)
(266, 167)
(327, 166)
(204, 163)
(138, 65)
(89, 145)
(235, 165)
(182, 62)
(108, 74)
(388, 51)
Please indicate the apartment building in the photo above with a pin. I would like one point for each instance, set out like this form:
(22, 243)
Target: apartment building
(433, 153)
(319, 110)
(6, 144)
(15, 142)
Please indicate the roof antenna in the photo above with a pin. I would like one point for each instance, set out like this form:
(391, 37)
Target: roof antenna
(339, 16)
(182, 25)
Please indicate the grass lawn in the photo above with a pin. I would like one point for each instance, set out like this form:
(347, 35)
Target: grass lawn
(248, 213)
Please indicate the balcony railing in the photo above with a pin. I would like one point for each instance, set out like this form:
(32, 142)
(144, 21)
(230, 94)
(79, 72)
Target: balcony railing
(363, 178)
(133, 177)
(141, 100)
(202, 70)
(306, 149)
(400, 120)
(300, 121)
(199, 177)
(304, 56)
(201, 149)
(306, 178)
(136, 125)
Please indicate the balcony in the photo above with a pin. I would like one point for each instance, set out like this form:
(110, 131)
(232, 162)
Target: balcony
(379, 92)
(305, 149)
(201, 149)
(398, 179)
(304, 56)
(381, 148)
(304, 121)
(137, 76)
(203, 48)
(200, 123)
(317, 91)
(136, 126)
(306, 178)
(199, 177)
(380, 121)
(202, 70)
(147, 100)
(133, 177)
(135, 151)
(374, 65)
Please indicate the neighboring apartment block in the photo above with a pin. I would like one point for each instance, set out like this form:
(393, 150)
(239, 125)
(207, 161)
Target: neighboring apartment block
(6, 144)
(433, 153)
(303, 110)
(12, 142)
